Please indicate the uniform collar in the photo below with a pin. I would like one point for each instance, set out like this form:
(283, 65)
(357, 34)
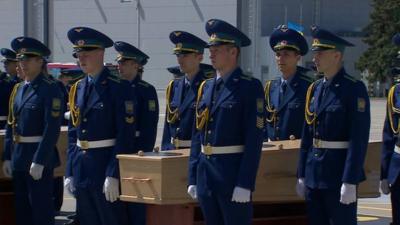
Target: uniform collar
(96, 77)
(227, 76)
(135, 80)
(335, 78)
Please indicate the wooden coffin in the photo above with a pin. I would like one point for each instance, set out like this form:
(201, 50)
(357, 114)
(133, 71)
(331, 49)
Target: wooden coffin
(61, 146)
(161, 178)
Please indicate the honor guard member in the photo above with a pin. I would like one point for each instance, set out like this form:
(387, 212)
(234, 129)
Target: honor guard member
(34, 121)
(176, 71)
(335, 136)
(130, 61)
(7, 83)
(10, 64)
(208, 70)
(285, 96)
(100, 122)
(226, 144)
(390, 160)
(181, 93)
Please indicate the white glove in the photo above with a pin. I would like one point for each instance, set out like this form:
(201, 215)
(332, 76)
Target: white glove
(7, 171)
(36, 171)
(348, 194)
(301, 188)
(385, 186)
(67, 115)
(241, 195)
(192, 191)
(111, 189)
(69, 185)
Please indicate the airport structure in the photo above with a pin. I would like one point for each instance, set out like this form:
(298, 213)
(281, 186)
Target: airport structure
(147, 24)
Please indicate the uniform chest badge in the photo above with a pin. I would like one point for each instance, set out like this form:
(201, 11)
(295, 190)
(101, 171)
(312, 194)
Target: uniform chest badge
(152, 105)
(129, 107)
(56, 104)
(361, 105)
(260, 105)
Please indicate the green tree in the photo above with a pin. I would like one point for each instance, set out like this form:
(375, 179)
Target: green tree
(385, 22)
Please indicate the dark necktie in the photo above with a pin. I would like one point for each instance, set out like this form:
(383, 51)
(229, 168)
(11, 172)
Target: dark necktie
(218, 88)
(25, 89)
(322, 92)
(186, 89)
(282, 92)
(88, 90)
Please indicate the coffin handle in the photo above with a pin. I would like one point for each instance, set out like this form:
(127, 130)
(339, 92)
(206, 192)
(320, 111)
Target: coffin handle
(136, 180)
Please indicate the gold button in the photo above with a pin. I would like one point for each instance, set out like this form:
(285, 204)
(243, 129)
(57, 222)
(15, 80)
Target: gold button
(16, 125)
(83, 152)
(316, 155)
(277, 128)
(84, 120)
(83, 131)
(209, 132)
(212, 119)
(316, 133)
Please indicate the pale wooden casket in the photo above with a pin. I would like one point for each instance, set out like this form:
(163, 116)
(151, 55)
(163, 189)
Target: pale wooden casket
(61, 146)
(161, 178)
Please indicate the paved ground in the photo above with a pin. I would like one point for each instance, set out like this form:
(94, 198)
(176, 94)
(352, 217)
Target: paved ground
(375, 211)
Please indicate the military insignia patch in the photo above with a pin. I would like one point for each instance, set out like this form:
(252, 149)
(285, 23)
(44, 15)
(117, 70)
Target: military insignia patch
(79, 29)
(129, 107)
(56, 104)
(177, 33)
(361, 104)
(179, 45)
(260, 122)
(129, 119)
(210, 22)
(55, 113)
(260, 105)
(152, 105)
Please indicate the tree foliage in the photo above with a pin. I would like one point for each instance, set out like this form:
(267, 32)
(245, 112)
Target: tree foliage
(385, 22)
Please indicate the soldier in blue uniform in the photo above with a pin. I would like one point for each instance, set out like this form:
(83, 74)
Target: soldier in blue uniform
(130, 61)
(390, 161)
(208, 70)
(34, 121)
(101, 118)
(7, 81)
(228, 135)
(10, 64)
(285, 96)
(182, 92)
(176, 71)
(335, 136)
